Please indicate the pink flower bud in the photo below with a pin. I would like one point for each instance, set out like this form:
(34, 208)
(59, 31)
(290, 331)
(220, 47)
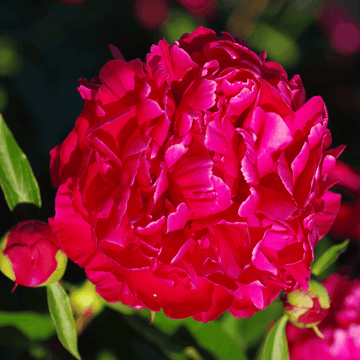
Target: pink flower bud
(30, 254)
(307, 309)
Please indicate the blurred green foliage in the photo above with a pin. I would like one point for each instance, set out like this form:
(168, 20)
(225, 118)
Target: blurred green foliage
(33, 325)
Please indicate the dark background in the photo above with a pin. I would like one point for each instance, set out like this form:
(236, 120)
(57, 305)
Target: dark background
(46, 46)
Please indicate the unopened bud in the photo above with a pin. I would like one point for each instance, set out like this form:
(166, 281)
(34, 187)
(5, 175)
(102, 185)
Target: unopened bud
(30, 254)
(307, 309)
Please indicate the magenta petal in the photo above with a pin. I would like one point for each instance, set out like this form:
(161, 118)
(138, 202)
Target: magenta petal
(300, 161)
(221, 301)
(214, 138)
(118, 76)
(308, 115)
(328, 164)
(196, 41)
(193, 174)
(107, 285)
(65, 159)
(160, 131)
(159, 57)
(182, 62)
(261, 262)
(251, 204)
(136, 144)
(148, 110)
(272, 101)
(285, 174)
(291, 254)
(70, 227)
(223, 194)
(200, 95)
(152, 227)
(128, 257)
(275, 205)
(275, 136)
(257, 296)
(231, 249)
(316, 135)
(100, 138)
(178, 219)
(172, 243)
(162, 183)
(184, 121)
(325, 219)
(156, 295)
(249, 167)
(33, 265)
(231, 162)
(115, 52)
(242, 101)
(55, 166)
(174, 153)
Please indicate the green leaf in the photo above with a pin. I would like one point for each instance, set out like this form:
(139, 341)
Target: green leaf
(276, 346)
(16, 177)
(60, 311)
(34, 326)
(329, 257)
(209, 336)
(249, 332)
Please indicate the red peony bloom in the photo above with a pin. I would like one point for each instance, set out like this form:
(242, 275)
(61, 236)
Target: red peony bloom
(341, 327)
(195, 182)
(30, 254)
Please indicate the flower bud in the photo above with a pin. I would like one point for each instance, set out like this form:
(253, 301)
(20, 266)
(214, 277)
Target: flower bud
(30, 254)
(85, 300)
(86, 304)
(307, 309)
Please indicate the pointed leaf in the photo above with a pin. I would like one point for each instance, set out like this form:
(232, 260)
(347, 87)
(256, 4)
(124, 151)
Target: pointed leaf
(60, 311)
(329, 257)
(276, 346)
(16, 177)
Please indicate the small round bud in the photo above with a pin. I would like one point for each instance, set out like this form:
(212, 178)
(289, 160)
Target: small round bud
(86, 300)
(307, 309)
(30, 254)
(86, 304)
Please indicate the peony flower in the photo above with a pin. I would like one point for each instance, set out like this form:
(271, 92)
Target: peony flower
(30, 254)
(196, 182)
(340, 327)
